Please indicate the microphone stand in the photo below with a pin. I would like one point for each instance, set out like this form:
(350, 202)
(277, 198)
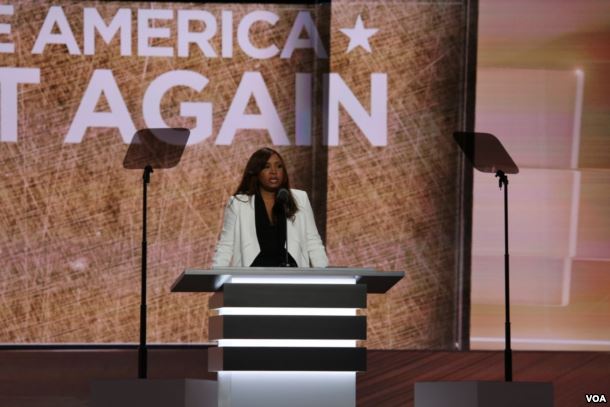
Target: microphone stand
(282, 196)
(282, 214)
(286, 263)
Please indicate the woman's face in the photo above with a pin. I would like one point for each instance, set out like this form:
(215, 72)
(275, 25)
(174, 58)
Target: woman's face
(272, 176)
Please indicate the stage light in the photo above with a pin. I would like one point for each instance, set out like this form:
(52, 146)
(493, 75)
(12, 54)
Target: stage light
(286, 311)
(292, 280)
(287, 343)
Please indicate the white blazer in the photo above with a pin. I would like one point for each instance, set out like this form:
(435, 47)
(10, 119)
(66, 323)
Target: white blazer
(238, 244)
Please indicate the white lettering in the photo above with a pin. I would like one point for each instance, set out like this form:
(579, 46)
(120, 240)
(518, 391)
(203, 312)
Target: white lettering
(65, 36)
(374, 126)
(93, 21)
(302, 109)
(243, 34)
(202, 39)
(9, 79)
(102, 82)
(6, 47)
(304, 21)
(227, 34)
(252, 85)
(201, 111)
(146, 33)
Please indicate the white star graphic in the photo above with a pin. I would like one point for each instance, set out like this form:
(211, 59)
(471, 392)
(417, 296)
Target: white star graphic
(359, 36)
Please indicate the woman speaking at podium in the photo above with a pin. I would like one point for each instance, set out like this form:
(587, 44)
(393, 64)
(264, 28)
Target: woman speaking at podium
(264, 214)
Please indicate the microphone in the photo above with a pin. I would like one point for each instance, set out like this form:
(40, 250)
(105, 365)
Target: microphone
(282, 198)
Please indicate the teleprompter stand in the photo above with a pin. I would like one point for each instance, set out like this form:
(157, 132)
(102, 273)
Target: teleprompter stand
(486, 154)
(158, 149)
(152, 149)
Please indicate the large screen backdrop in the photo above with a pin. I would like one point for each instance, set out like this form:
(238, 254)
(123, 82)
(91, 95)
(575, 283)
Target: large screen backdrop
(361, 100)
(543, 88)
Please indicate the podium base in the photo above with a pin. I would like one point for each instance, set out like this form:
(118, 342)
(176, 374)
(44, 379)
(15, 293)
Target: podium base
(154, 393)
(483, 394)
(286, 389)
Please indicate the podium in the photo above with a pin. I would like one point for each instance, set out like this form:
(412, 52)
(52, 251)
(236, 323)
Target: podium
(286, 336)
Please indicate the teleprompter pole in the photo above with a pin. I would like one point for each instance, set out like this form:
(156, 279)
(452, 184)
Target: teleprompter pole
(508, 356)
(142, 350)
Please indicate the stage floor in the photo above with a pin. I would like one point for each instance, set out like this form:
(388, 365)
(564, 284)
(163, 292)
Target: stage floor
(61, 377)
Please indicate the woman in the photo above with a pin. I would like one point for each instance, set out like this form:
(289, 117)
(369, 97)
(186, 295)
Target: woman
(256, 222)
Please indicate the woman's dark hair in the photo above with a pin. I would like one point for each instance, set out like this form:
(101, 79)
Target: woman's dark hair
(249, 184)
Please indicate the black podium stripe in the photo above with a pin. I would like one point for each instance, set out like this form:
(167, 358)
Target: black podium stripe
(291, 295)
(286, 327)
(287, 359)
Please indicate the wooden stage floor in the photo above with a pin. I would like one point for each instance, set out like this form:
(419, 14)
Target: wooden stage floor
(61, 377)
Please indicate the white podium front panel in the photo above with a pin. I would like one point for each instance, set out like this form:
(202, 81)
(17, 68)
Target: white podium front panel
(283, 389)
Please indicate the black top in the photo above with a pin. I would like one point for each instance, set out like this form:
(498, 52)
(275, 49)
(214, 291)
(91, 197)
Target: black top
(271, 236)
